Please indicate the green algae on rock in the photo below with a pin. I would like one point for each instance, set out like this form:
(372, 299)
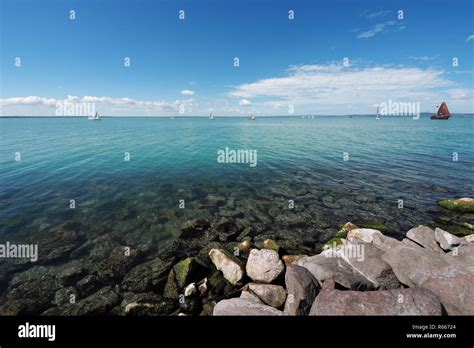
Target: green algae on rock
(463, 205)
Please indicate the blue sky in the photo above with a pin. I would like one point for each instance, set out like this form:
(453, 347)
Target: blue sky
(283, 62)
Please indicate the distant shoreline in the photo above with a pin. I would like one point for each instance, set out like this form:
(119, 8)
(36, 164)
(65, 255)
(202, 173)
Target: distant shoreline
(224, 116)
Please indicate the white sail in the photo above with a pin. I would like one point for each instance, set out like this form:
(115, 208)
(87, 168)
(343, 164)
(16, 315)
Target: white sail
(96, 117)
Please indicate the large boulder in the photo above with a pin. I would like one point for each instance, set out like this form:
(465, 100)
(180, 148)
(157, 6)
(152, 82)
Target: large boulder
(444, 275)
(264, 266)
(354, 266)
(323, 267)
(239, 306)
(415, 301)
(302, 289)
(425, 236)
(368, 235)
(230, 266)
(272, 295)
(366, 259)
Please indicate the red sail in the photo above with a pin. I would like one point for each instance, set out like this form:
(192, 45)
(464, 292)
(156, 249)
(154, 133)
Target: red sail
(443, 110)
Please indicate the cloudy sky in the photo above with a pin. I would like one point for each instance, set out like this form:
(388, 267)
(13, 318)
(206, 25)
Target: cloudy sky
(235, 58)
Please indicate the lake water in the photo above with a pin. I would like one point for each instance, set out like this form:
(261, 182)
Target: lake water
(171, 160)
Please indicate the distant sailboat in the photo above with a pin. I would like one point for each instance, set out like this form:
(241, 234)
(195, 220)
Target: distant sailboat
(443, 113)
(377, 118)
(96, 117)
(252, 117)
(211, 117)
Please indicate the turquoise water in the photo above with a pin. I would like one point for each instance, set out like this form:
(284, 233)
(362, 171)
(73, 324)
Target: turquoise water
(299, 159)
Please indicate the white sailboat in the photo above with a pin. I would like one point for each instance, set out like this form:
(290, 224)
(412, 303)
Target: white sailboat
(252, 117)
(211, 117)
(96, 117)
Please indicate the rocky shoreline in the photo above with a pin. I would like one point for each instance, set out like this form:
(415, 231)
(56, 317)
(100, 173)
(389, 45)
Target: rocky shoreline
(226, 269)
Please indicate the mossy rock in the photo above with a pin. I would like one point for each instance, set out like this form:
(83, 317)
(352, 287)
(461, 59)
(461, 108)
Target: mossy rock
(333, 243)
(183, 271)
(271, 244)
(463, 205)
(457, 230)
(342, 233)
(375, 225)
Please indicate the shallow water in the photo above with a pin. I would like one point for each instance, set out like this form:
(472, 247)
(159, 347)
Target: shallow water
(298, 159)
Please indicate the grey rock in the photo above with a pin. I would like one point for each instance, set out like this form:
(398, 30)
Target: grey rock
(238, 306)
(247, 295)
(368, 235)
(443, 275)
(272, 295)
(230, 266)
(335, 268)
(264, 266)
(302, 289)
(424, 236)
(415, 301)
(446, 240)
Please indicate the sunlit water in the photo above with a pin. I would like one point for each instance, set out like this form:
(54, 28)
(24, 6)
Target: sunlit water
(299, 159)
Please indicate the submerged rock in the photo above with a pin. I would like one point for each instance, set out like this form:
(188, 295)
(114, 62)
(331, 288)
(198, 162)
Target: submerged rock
(302, 289)
(99, 303)
(231, 267)
(239, 306)
(148, 304)
(194, 228)
(415, 301)
(264, 265)
(152, 274)
(59, 243)
(463, 205)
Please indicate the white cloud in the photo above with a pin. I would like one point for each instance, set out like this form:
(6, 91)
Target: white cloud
(373, 15)
(336, 87)
(105, 105)
(470, 38)
(245, 102)
(425, 58)
(187, 92)
(32, 100)
(378, 28)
